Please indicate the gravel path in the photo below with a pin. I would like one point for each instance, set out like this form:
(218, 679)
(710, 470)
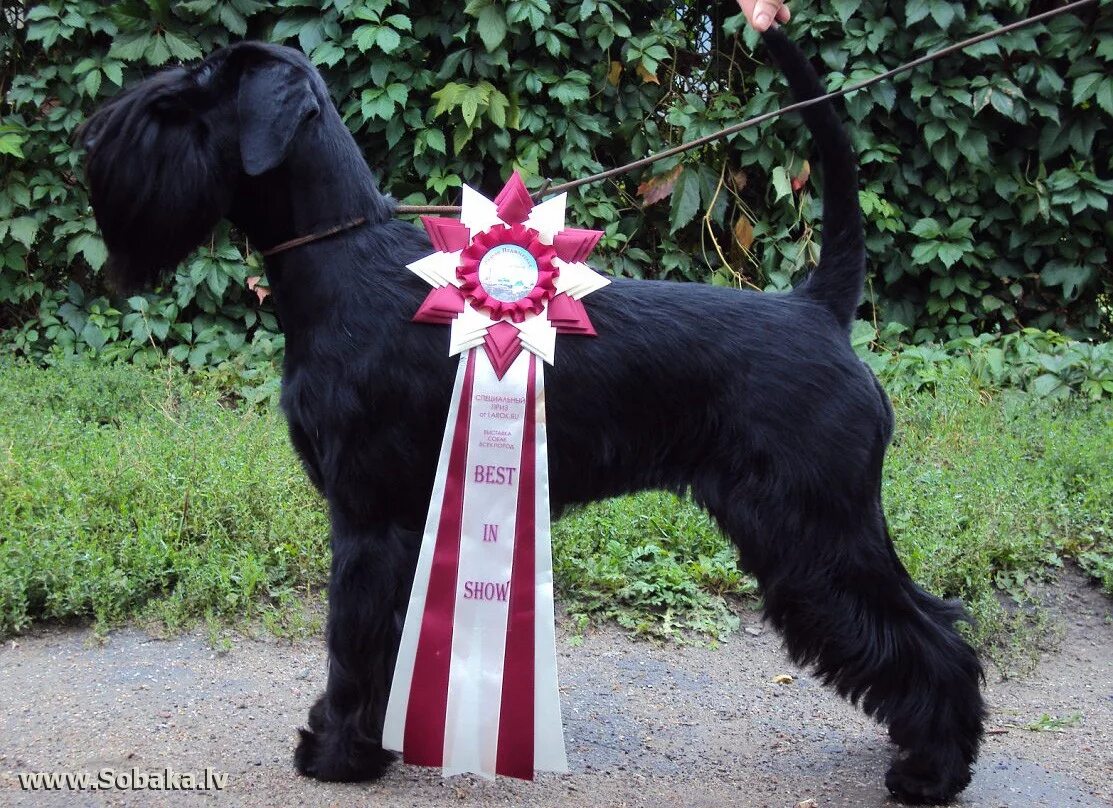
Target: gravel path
(646, 725)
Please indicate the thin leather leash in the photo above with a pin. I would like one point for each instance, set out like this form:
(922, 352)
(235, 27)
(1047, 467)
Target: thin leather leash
(749, 122)
(302, 240)
(547, 190)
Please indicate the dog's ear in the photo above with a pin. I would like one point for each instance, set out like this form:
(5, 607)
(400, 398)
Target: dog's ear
(275, 99)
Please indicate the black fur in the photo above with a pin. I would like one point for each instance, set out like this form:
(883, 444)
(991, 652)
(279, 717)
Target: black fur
(755, 403)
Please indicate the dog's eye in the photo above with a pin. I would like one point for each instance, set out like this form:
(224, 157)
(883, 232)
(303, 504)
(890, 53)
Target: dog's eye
(173, 107)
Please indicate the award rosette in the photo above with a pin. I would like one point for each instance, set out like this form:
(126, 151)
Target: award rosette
(475, 683)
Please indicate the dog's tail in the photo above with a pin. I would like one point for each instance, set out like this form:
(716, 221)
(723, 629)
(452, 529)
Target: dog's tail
(837, 281)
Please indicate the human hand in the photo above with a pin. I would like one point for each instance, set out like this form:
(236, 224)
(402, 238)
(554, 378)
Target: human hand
(762, 13)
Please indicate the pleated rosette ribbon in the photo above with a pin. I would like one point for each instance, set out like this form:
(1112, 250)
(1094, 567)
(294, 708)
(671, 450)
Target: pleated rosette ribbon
(475, 683)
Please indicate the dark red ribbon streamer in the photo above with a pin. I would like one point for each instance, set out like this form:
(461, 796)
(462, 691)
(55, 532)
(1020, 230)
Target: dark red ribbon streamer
(515, 750)
(423, 743)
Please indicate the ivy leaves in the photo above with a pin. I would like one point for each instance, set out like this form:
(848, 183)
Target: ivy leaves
(471, 103)
(381, 102)
(150, 32)
(685, 200)
(493, 21)
(54, 22)
(948, 245)
(941, 12)
(984, 178)
(1097, 86)
(385, 34)
(491, 24)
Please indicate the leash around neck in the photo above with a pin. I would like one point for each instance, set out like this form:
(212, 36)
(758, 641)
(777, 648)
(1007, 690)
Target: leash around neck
(301, 241)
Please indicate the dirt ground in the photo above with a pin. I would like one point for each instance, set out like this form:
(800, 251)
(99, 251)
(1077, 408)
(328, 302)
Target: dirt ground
(646, 725)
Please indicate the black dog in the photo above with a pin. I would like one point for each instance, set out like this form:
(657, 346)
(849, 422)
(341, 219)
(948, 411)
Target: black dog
(753, 403)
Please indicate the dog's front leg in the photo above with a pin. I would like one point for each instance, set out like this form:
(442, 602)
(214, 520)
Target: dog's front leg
(372, 568)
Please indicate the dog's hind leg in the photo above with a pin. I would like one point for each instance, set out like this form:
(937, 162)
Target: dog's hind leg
(835, 589)
(368, 585)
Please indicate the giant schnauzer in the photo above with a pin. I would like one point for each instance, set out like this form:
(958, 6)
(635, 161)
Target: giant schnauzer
(754, 403)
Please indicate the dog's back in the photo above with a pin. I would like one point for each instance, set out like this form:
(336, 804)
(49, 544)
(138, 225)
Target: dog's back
(755, 403)
(837, 281)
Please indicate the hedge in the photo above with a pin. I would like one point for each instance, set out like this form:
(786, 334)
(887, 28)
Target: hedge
(985, 176)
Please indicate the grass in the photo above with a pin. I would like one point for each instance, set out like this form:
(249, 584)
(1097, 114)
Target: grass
(986, 494)
(652, 562)
(123, 494)
(126, 494)
(1054, 723)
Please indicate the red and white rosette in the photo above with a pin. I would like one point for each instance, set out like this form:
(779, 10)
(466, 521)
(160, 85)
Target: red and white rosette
(475, 684)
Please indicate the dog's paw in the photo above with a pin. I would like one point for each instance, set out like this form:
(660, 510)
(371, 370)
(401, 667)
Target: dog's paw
(919, 781)
(324, 758)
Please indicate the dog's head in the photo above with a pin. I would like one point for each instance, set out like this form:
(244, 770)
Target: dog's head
(166, 158)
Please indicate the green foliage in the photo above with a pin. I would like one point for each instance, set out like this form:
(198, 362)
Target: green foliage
(985, 176)
(984, 492)
(1044, 363)
(1053, 723)
(985, 184)
(128, 492)
(651, 562)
